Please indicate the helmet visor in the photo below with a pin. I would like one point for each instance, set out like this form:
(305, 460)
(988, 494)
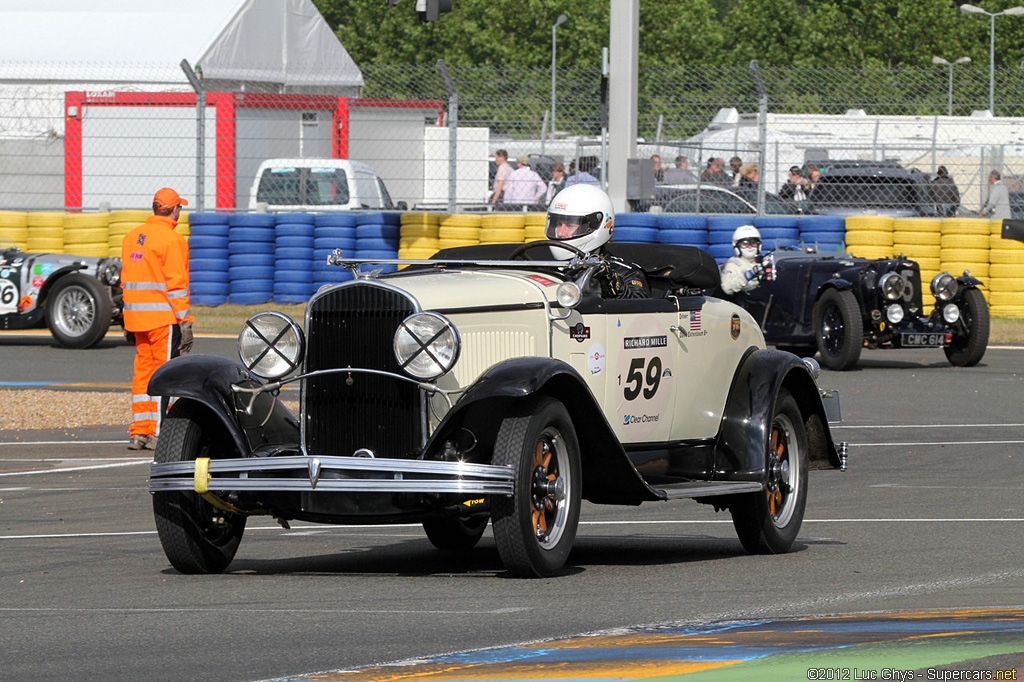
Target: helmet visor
(560, 226)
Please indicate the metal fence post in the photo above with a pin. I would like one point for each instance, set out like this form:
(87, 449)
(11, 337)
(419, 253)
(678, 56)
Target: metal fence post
(453, 135)
(197, 85)
(762, 132)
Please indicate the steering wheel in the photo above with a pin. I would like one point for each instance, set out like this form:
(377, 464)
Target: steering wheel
(546, 242)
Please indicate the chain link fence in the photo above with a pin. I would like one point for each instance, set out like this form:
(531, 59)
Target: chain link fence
(88, 140)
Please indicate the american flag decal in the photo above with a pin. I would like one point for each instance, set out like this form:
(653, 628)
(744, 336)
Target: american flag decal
(694, 320)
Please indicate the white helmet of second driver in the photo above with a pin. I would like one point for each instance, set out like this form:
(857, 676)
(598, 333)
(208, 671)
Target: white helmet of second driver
(581, 216)
(742, 233)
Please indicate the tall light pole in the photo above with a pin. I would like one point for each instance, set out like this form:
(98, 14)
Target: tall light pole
(554, 53)
(940, 60)
(1012, 12)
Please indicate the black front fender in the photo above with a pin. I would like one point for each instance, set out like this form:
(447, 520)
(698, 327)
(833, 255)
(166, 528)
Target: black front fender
(608, 475)
(207, 379)
(746, 423)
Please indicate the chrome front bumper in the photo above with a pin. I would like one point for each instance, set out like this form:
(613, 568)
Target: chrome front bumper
(303, 473)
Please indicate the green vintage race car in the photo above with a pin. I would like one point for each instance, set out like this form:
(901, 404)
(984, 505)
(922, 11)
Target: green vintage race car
(492, 383)
(77, 297)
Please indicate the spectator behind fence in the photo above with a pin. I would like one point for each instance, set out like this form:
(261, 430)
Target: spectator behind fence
(680, 174)
(524, 186)
(715, 172)
(501, 176)
(659, 172)
(749, 177)
(945, 193)
(580, 174)
(557, 182)
(998, 204)
(735, 172)
(793, 189)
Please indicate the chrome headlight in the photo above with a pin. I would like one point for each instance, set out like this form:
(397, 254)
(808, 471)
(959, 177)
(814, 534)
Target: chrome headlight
(569, 294)
(271, 345)
(110, 273)
(427, 345)
(892, 286)
(950, 313)
(894, 313)
(944, 286)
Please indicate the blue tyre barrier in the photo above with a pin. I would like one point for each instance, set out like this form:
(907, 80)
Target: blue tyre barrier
(294, 253)
(246, 220)
(208, 299)
(822, 236)
(679, 236)
(301, 242)
(643, 235)
(776, 221)
(205, 264)
(207, 242)
(302, 264)
(334, 220)
(683, 222)
(212, 288)
(294, 276)
(265, 260)
(375, 253)
(252, 234)
(822, 223)
(332, 243)
(207, 219)
(377, 231)
(334, 233)
(296, 218)
(250, 272)
(721, 251)
(250, 298)
(294, 230)
(209, 230)
(251, 247)
(779, 233)
(220, 254)
(251, 286)
(216, 276)
(722, 223)
(376, 245)
(636, 220)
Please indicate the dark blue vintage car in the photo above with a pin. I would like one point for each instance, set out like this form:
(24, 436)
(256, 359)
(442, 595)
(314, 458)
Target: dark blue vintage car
(836, 304)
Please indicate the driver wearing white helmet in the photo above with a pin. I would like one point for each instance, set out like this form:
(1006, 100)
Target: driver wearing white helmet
(743, 272)
(583, 216)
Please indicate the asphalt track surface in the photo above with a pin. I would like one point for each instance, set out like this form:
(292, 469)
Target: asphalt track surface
(919, 547)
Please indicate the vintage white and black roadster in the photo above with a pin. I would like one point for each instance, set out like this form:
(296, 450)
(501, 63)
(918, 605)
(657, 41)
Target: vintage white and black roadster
(491, 383)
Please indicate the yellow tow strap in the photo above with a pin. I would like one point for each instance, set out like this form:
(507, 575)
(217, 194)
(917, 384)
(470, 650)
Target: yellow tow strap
(201, 484)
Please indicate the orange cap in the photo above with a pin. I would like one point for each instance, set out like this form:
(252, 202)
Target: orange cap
(168, 198)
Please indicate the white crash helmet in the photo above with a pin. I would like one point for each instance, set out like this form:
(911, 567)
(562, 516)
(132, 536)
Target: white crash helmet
(746, 232)
(581, 216)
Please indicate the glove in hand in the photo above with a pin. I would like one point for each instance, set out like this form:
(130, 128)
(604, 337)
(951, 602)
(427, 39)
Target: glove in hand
(186, 338)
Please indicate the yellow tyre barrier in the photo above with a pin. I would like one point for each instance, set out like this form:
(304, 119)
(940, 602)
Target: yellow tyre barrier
(874, 223)
(870, 251)
(922, 238)
(966, 226)
(459, 233)
(917, 225)
(498, 221)
(869, 238)
(965, 241)
(461, 220)
(502, 235)
(965, 255)
(979, 270)
(1012, 270)
(1006, 256)
(452, 243)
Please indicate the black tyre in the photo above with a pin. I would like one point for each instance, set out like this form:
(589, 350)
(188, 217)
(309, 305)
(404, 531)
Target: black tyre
(455, 534)
(78, 311)
(970, 335)
(196, 536)
(535, 527)
(803, 350)
(838, 329)
(767, 522)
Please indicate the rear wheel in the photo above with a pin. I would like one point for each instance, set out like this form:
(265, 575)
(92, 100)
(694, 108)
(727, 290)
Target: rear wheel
(838, 329)
(535, 527)
(78, 311)
(767, 522)
(196, 536)
(970, 336)
(455, 534)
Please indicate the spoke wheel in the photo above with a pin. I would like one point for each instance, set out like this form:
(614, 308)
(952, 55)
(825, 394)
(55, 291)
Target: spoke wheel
(196, 536)
(970, 336)
(78, 311)
(767, 522)
(838, 329)
(535, 527)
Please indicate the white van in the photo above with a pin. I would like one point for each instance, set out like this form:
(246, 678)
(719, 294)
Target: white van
(320, 185)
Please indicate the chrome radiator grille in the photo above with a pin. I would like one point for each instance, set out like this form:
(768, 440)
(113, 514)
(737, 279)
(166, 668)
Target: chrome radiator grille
(354, 326)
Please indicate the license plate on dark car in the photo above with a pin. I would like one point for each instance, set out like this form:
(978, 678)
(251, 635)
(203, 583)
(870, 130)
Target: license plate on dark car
(917, 340)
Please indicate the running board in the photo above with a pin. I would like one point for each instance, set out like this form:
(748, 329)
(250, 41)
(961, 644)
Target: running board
(676, 491)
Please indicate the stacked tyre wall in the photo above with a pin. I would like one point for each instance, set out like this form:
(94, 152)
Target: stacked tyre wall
(282, 258)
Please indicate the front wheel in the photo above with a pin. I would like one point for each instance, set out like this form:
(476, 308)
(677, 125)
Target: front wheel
(767, 522)
(970, 335)
(196, 536)
(534, 528)
(838, 329)
(78, 311)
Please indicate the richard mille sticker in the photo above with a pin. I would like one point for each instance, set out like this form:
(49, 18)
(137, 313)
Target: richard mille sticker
(596, 358)
(631, 342)
(579, 332)
(734, 328)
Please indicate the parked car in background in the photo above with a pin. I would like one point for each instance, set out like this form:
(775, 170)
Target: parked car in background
(835, 304)
(707, 198)
(857, 188)
(76, 297)
(319, 185)
(492, 384)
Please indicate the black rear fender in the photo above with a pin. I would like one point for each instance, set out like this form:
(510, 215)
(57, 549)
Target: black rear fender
(743, 437)
(206, 380)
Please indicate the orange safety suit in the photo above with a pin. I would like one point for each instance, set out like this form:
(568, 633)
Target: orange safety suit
(154, 277)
